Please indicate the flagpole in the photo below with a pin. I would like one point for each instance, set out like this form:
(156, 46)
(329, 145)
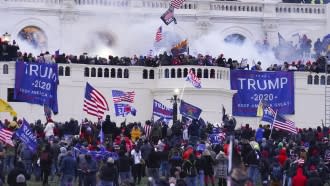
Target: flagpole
(184, 86)
(271, 131)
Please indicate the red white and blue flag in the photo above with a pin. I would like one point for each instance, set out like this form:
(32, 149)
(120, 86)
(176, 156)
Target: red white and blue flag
(195, 81)
(284, 124)
(159, 34)
(121, 96)
(94, 103)
(6, 135)
(176, 3)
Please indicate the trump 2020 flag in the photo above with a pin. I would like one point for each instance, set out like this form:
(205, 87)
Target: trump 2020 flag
(36, 83)
(195, 81)
(189, 111)
(25, 134)
(162, 111)
(123, 109)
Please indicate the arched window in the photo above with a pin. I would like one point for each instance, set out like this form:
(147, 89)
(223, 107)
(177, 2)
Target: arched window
(126, 73)
(236, 39)
(113, 73)
(322, 80)
(67, 71)
(151, 74)
(199, 73)
(179, 73)
(212, 74)
(167, 73)
(60, 71)
(120, 73)
(93, 72)
(34, 37)
(99, 72)
(86, 72)
(106, 72)
(5, 69)
(309, 79)
(206, 73)
(316, 80)
(173, 73)
(185, 72)
(328, 80)
(145, 74)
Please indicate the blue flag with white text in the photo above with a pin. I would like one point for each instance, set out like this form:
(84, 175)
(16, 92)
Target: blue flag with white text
(275, 88)
(189, 111)
(162, 111)
(36, 83)
(26, 135)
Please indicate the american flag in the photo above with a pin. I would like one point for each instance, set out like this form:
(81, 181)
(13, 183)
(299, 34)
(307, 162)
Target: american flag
(176, 3)
(159, 34)
(119, 96)
(94, 103)
(196, 82)
(284, 124)
(6, 135)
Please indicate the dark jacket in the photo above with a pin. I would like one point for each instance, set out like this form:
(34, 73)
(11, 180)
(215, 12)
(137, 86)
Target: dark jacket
(154, 159)
(19, 169)
(108, 172)
(124, 163)
(68, 165)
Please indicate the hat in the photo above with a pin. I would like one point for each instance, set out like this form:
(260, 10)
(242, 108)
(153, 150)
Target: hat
(20, 178)
(63, 150)
(110, 160)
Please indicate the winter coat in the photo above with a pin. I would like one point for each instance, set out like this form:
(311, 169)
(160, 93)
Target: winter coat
(282, 157)
(108, 172)
(135, 134)
(314, 180)
(221, 167)
(299, 179)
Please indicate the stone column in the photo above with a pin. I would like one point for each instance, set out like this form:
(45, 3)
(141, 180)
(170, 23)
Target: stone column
(270, 21)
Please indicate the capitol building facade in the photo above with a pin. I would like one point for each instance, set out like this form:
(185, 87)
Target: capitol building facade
(127, 27)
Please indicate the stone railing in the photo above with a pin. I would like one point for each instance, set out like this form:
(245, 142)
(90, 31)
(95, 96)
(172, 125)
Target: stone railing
(229, 6)
(285, 8)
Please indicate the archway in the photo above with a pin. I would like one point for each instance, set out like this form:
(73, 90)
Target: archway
(34, 36)
(235, 39)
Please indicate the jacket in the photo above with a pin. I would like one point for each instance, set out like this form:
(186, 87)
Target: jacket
(299, 179)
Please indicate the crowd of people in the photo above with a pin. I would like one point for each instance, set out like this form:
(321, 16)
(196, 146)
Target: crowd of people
(10, 52)
(184, 154)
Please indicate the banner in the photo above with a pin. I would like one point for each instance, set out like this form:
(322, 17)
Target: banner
(36, 83)
(25, 134)
(276, 88)
(162, 111)
(189, 111)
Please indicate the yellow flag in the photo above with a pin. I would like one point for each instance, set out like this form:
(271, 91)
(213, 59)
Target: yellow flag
(260, 110)
(5, 107)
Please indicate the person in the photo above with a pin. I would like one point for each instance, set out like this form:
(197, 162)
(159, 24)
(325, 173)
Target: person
(136, 170)
(18, 175)
(49, 129)
(89, 173)
(190, 170)
(221, 168)
(124, 166)
(208, 167)
(299, 179)
(45, 164)
(108, 173)
(68, 168)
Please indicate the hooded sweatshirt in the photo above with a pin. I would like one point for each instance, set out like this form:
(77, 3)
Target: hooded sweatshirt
(299, 179)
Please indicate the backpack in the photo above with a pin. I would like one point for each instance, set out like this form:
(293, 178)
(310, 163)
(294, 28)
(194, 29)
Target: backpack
(276, 173)
(191, 169)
